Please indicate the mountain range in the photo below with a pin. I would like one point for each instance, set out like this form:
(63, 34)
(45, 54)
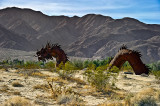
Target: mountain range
(92, 36)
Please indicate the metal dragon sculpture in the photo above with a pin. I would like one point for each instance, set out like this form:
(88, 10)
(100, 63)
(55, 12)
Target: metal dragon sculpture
(123, 55)
(50, 51)
(134, 59)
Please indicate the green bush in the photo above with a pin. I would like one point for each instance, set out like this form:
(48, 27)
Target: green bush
(97, 63)
(155, 66)
(114, 69)
(98, 79)
(91, 66)
(103, 67)
(32, 65)
(50, 65)
(70, 66)
(86, 63)
(66, 70)
(156, 73)
(127, 66)
(78, 64)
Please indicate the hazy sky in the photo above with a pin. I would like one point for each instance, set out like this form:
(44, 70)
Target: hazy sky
(147, 11)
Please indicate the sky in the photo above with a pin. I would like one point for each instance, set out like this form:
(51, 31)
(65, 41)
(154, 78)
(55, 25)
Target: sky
(147, 11)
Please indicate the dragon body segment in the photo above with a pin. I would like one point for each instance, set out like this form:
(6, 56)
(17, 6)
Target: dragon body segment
(134, 59)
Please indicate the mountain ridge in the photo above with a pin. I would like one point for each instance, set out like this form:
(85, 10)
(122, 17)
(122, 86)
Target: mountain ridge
(92, 35)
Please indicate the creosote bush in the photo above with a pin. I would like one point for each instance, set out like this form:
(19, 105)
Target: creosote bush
(127, 66)
(146, 101)
(31, 65)
(99, 78)
(114, 69)
(77, 64)
(156, 74)
(66, 70)
(50, 65)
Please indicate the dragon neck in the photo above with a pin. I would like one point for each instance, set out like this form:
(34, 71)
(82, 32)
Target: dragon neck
(60, 56)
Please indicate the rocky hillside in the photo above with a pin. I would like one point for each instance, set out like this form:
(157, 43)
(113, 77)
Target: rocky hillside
(92, 36)
(9, 39)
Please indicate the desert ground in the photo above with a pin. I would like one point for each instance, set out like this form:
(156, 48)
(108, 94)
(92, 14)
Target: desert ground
(43, 87)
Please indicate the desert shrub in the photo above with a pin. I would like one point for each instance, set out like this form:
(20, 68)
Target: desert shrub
(70, 99)
(70, 66)
(155, 66)
(63, 94)
(127, 99)
(64, 74)
(86, 63)
(156, 73)
(127, 66)
(146, 101)
(97, 62)
(4, 88)
(114, 69)
(103, 67)
(78, 64)
(97, 78)
(155, 69)
(105, 61)
(17, 62)
(91, 66)
(66, 70)
(4, 62)
(61, 66)
(100, 77)
(1, 67)
(50, 65)
(17, 101)
(32, 65)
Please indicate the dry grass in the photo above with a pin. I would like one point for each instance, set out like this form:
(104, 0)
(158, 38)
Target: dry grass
(17, 101)
(114, 95)
(3, 69)
(127, 100)
(113, 104)
(17, 84)
(32, 72)
(70, 100)
(64, 95)
(145, 101)
(4, 88)
(39, 74)
(127, 84)
(77, 80)
(147, 92)
(43, 87)
(16, 93)
(147, 97)
(57, 80)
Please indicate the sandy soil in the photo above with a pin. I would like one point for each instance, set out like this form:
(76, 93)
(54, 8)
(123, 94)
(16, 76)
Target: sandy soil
(126, 82)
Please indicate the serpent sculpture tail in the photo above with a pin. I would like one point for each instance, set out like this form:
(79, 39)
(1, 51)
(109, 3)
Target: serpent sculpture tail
(51, 51)
(133, 57)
